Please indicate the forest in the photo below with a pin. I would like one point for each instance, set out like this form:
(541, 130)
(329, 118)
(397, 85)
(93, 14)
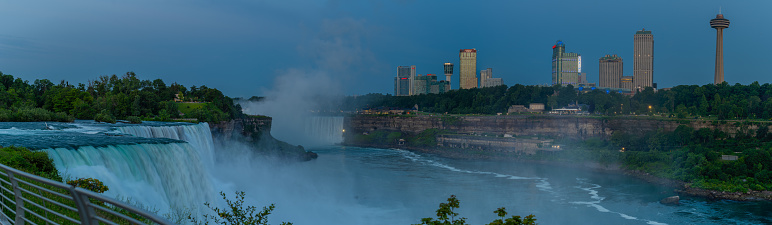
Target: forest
(721, 101)
(107, 99)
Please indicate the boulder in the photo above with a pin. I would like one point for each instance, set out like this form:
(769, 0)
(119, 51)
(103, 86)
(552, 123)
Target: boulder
(672, 200)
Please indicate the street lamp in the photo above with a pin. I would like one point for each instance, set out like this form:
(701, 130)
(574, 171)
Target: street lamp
(649, 109)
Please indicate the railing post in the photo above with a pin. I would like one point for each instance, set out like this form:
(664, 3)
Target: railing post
(84, 209)
(19, 201)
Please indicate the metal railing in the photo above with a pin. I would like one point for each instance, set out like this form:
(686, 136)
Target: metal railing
(27, 198)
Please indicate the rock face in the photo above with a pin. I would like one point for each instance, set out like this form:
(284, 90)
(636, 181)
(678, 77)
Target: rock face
(256, 132)
(577, 127)
(672, 200)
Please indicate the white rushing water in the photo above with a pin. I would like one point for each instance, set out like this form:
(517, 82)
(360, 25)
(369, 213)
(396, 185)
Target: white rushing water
(198, 135)
(164, 176)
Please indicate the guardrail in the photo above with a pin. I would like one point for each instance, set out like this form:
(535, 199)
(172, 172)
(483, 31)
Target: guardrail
(37, 200)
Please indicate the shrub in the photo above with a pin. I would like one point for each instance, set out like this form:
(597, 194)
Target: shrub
(91, 184)
(104, 116)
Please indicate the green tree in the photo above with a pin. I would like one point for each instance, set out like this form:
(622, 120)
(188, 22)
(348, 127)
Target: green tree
(235, 213)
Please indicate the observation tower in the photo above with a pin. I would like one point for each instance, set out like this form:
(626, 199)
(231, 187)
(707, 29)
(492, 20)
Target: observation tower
(719, 23)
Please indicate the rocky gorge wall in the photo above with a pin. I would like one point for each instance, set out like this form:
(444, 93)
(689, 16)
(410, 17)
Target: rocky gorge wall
(256, 132)
(556, 126)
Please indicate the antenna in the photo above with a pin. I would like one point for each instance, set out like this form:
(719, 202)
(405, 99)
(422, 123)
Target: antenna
(719, 10)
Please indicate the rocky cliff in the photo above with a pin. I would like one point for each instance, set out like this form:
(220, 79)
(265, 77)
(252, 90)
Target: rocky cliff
(576, 127)
(256, 133)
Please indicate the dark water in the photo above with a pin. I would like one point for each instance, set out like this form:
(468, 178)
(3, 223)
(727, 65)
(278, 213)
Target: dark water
(347, 185)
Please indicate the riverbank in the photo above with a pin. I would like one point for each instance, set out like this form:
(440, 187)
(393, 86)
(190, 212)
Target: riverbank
(680, 187)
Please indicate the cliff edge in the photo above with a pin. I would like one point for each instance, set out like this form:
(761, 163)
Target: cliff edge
(255, 131)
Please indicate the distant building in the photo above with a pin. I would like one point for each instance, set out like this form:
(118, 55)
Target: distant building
(536, 107)
(566, 67)
(429, 85)
(403, 83)
(533, 108)
(627, 82)
(487, 80)
(448, 69)
(610, 71)
(643, 59)
(468, 68)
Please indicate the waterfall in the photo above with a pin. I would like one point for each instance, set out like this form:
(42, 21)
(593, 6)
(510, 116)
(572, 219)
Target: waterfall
(198, 135)
(324, 130)
(163, 176)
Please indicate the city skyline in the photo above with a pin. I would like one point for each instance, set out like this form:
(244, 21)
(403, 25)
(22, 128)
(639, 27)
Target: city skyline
(251, 48)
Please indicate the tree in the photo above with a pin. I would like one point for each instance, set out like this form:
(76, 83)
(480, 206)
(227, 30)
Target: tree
(446, 216)
(236, 214)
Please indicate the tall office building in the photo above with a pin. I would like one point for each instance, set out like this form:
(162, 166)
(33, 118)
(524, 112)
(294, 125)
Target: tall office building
(403, 83)
(566, 67)
(448, 68)
(485, 74)
(719, 23)
(468, 68)
(610, 71)
(643, 59)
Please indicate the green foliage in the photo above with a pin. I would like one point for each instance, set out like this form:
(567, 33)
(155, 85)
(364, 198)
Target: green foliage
(91, 184)
(446, 216)
(36, 162)
(134, 119)
(514, 220)
(721, 101)
(104, 116)
(119, 97)
(235, 213)
(427, 138)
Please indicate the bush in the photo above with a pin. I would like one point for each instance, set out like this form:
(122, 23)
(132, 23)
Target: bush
(91, 184)
(36, 163)
(134, 119)
(104, 116)
(235, 213)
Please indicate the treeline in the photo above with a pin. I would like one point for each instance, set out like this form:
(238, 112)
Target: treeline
(106, 99)
(722, 101)
(695, 156)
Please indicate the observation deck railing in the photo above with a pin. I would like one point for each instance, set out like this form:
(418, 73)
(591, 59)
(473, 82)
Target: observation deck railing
(30, 199)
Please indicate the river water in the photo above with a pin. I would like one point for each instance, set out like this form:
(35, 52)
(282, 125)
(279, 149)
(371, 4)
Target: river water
(168, 166)
(348, 185)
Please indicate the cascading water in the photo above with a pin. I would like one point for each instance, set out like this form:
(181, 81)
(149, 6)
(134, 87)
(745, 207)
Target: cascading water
(163, 176)
(197, 135)
(325, 130)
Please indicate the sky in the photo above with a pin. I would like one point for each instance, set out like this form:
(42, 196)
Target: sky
(353, 47)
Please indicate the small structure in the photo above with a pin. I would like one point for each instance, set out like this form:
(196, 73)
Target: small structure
(516, 109)
(536, 107)
(729, 157)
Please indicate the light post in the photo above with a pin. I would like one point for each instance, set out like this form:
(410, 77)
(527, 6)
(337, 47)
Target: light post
(649, 110)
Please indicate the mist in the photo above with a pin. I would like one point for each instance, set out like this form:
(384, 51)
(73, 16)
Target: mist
(336, 57)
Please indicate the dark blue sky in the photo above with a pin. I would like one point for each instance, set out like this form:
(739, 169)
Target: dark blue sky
(354, 46)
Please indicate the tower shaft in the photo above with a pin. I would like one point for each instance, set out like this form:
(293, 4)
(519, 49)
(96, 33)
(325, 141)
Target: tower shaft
(719, 77)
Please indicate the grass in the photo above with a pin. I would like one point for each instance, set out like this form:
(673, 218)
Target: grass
(187, 108)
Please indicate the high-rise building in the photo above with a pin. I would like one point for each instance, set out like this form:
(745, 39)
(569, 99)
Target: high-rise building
(566, 67)
(643, 59)
(403, 83)
(485, 74)
(487, 80)
(429, 85)
(719, 23)
(468, 68)
(626, 82)
(448, 68)
(610, 71)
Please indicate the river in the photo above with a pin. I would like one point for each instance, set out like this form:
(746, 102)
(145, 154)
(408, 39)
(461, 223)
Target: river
(177, 165)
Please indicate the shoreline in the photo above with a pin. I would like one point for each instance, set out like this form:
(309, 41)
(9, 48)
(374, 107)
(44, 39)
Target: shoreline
(681, 187)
